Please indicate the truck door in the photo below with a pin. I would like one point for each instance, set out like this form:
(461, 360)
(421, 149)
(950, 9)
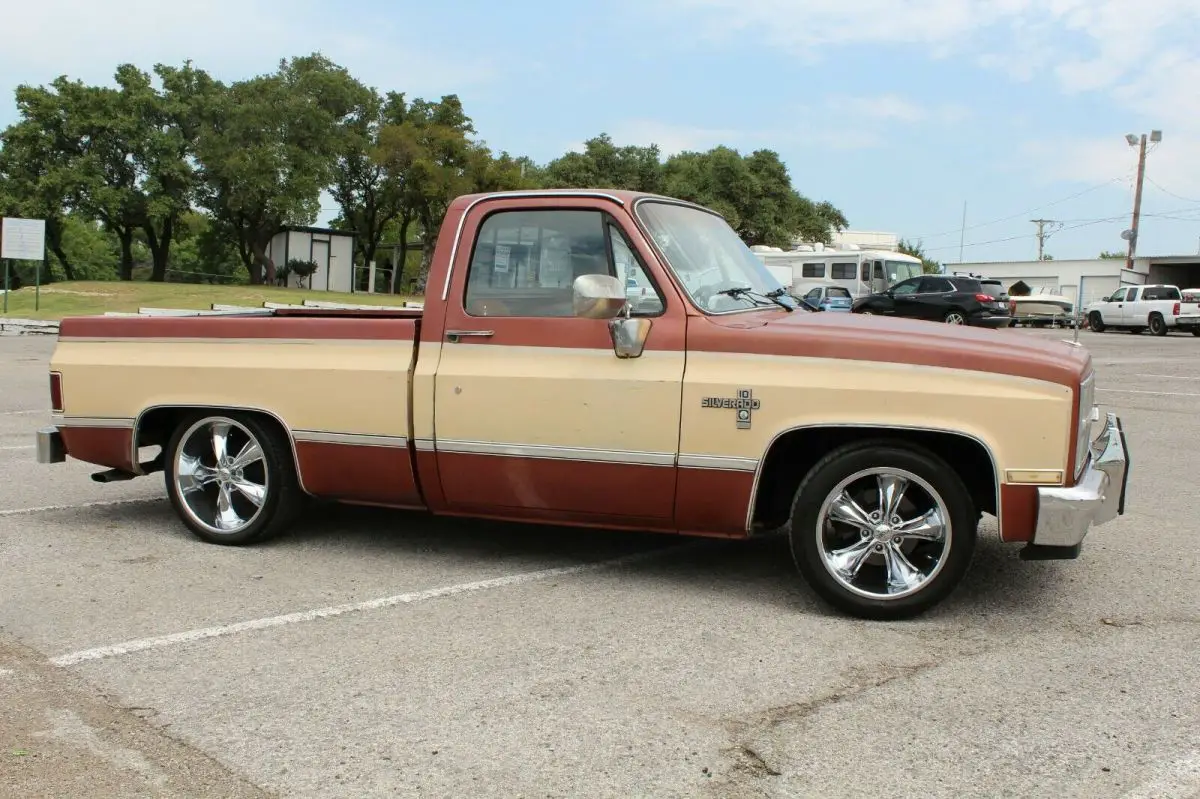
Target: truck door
(534, 414)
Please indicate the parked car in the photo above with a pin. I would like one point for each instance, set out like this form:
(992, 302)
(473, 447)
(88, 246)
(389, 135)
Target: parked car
(830, 298)
(941, 298)
(1189, 311)
(528, 389)
(1136, 308)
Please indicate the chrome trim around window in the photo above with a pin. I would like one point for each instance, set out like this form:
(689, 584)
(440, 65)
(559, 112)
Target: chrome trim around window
(517, 195)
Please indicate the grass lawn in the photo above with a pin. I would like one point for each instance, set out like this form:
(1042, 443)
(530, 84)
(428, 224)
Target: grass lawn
(82, 298)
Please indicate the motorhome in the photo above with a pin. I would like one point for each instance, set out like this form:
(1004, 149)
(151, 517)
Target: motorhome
(860, 271)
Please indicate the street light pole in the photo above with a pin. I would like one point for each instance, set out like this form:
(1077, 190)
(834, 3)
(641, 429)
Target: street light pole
(1132, 233)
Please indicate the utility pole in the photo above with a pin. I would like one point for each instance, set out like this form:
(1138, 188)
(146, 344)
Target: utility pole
(1042, 234)
(1132, 234)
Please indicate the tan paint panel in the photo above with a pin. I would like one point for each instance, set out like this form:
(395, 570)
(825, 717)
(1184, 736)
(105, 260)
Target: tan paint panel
(1024, 422)
(559, 397)
(334, 386)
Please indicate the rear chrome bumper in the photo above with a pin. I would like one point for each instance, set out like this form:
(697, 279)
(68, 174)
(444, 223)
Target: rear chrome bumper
(1066, 513)
(50, 447)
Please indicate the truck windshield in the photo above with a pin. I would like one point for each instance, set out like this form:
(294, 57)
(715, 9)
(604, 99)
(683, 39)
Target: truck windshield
(716, 268)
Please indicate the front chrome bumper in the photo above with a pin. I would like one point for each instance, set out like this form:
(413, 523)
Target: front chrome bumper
(50, 447)
(1066, 513)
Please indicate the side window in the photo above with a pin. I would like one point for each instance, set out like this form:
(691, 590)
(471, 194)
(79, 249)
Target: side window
(866, 271)
(1130, 295)
(815, 294)
(905, 287)
(935, 285)
(525, 262)
(812, 270)
(843, 271)
(641, 293)
(879, 271)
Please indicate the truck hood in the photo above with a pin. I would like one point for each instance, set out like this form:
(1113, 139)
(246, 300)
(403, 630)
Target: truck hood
(877, 338)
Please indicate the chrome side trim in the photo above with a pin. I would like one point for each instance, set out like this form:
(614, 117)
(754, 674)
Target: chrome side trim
(349, 342)
(1066, 513)
(718, 463)
(91, 421)
(861, 426)
(558, 453)
(352, 439)
(137, 423)
(424, 444)
(517, 195)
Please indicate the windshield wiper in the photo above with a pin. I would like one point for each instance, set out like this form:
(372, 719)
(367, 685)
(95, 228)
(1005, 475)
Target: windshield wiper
(749, 293)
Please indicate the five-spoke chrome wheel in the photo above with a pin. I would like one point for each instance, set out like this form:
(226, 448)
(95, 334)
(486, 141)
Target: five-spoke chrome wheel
(231, 477)
(882, 533)
(221, 475)
(883, 529)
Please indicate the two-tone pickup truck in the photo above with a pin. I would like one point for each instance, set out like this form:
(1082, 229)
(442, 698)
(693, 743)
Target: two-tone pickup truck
(529, 389)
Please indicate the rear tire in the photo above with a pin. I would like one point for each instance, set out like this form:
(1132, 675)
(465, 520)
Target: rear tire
(1157, 326)
(955, 317)
(874, 564)
(231, 478)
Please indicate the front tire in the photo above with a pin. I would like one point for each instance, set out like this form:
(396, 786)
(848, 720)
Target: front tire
(883, 530)
(231, 478)
(1095, 322)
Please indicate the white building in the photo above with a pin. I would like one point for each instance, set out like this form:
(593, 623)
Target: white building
(1098, 277)
(331, 250)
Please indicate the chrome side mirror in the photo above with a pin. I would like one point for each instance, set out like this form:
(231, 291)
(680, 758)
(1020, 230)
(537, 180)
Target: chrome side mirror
(629, 336)
(598, 296)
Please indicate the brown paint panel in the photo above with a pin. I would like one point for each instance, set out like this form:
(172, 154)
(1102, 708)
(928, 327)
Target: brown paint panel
(901, 341)
(356, 473)
(103, 446)
(713, 502)
(576, 489)
(1018, 509)
(252, 327)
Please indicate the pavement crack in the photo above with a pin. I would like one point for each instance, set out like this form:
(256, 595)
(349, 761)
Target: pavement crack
(755, 762)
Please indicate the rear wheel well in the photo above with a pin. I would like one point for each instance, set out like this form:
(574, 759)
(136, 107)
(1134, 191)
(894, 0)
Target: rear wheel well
(793, 455)
(155, 426)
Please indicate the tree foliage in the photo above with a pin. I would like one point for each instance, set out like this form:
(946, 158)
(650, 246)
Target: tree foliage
(928, 265)
(175, 170)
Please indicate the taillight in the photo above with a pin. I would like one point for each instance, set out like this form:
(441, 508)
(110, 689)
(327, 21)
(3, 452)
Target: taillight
(1175, 311)
(985, 298)
(56, 400)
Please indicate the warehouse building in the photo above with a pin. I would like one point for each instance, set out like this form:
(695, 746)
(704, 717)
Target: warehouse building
(1090, 279)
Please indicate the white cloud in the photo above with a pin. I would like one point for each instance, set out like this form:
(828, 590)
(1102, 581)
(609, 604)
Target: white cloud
(894, 108)
(231, 39)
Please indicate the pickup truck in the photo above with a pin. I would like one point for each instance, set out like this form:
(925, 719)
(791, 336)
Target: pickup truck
(1136, 308)
(528, 388)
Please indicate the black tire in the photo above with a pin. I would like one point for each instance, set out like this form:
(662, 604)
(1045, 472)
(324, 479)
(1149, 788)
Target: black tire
(1095, 322)
(955, 313)
(1196, 332)
(1157, 326)
(946, 571)
(282, 497)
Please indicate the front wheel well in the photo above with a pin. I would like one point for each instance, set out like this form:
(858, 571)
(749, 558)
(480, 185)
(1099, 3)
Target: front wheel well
(793, 455)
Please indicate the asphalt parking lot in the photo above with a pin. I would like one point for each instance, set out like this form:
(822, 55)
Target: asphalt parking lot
(374, 653)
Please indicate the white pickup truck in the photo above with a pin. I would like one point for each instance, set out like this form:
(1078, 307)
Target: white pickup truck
(1136, 308)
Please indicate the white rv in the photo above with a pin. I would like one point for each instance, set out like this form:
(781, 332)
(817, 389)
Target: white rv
(860, 271)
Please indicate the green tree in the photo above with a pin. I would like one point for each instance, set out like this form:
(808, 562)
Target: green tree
(1112, 255)
(928, 265)
(268, 146)
(603, 164)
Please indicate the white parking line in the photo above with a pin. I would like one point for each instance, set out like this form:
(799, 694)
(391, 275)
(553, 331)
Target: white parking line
(190, 636)
(21, 446)
(1154, 393)
(19, 413)
(1169, 377)
(100, 504)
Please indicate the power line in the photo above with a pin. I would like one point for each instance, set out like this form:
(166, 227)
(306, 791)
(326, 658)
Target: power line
(1173, 194)
(1023, 213)
(1024, 236)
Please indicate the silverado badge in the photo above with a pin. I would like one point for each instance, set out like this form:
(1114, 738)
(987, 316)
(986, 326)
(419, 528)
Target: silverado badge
(745, 404)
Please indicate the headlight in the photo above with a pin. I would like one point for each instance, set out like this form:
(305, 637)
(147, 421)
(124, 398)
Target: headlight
(1083, 434)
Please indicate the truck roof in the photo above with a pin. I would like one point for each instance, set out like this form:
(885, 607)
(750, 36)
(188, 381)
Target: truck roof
(619, 196)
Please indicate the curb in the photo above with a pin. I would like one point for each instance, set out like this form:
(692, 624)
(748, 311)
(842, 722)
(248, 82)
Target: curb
(27, 327)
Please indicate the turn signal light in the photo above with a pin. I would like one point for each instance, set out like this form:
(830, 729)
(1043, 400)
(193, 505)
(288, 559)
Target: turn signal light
(56, 400)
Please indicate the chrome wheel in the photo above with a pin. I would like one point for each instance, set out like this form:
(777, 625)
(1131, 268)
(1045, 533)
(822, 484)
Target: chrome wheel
(955, 318)
(220, 475)
(883, 533)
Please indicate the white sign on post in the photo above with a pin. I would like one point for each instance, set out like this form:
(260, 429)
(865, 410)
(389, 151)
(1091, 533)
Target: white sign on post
(23, 239)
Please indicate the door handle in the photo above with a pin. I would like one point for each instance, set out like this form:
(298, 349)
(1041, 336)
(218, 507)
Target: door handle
(455, 335)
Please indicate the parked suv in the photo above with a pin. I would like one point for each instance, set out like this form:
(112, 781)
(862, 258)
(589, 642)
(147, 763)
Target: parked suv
(941, 298)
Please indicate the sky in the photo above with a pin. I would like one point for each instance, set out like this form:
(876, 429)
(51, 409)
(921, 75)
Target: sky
(897, 111)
